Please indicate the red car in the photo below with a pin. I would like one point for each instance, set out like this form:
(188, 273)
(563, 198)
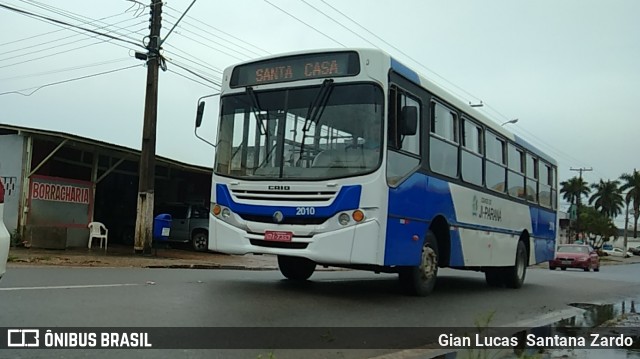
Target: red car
(575, 256)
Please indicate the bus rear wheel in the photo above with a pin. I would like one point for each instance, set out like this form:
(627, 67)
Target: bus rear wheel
(296, 268)
(514, 276)
(511, 277)
(420, 280)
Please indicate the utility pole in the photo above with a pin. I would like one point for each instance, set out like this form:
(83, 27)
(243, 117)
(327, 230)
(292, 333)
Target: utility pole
(144, 218)
(579, 199)
(626, 224)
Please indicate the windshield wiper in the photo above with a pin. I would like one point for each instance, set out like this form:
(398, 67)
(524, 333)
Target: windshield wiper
(257, 111)
(318, 105)
(316, 109)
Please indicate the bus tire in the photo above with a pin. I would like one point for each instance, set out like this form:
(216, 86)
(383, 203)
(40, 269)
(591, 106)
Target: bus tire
(296, 268)
(420, 280)
(514, 276)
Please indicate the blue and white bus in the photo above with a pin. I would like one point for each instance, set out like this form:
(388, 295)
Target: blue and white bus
(349, 158)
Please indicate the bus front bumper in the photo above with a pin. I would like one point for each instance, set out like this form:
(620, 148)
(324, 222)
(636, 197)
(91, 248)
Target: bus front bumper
(356, 244)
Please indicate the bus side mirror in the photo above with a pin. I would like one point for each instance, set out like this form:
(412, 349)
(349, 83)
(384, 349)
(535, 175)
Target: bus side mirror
(199, 114)
(409, 124)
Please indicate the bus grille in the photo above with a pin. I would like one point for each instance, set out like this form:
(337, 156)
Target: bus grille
(288, 245)
(287, 220)
(284, 196)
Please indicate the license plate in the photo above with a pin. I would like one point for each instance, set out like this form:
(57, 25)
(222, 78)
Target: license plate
(567, 262)
(278, 236)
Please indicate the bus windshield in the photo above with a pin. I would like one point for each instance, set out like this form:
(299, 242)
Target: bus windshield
(319, 132)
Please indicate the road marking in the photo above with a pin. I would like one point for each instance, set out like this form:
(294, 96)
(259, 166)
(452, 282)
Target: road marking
(72, 286)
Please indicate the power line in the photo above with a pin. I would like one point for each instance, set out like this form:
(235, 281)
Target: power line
(195, 74)
(30, 14)
(194, 60)
(223, 32)
(212, 41)
(209, 46)
(194, 80)
(52, 72)
(306, 24)
(60, 52)
(19, 92)
(54, 46)
(68, 14)
(56, 40)
(51, 32)
(339, 23)
(212, 78)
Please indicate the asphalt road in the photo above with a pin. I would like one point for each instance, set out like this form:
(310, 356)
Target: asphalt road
(132, 297)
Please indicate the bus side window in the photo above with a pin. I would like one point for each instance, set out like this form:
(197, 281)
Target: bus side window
(404, 133)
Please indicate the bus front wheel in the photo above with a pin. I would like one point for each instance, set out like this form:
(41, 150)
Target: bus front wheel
(420, 280)
(296, 268)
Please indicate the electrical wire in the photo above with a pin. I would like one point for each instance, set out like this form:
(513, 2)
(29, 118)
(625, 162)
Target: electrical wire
(52, 32)
(245, 56)
(67, 69)
(306, 24)
(194, 60)
(67, 14)
(209, 46)
(223, 32)
(20, 92)
(46, 18)
(194, 80)
(59, 52)
(54, 46)
(195, 74)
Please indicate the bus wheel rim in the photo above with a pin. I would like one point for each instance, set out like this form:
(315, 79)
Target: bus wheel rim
(429, 263)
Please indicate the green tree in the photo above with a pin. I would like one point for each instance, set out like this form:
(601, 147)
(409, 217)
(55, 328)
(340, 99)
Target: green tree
(632, 184)
(607, 198)
(595, 223)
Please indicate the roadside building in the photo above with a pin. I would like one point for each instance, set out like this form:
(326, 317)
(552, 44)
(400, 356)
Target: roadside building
(58, 182)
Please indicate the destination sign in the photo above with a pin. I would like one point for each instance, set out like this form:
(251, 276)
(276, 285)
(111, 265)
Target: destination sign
(293, 68)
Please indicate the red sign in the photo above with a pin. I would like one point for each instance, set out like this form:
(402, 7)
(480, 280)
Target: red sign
(59, 193)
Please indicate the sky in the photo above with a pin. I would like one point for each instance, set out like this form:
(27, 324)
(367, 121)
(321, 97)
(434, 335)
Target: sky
(567, 70)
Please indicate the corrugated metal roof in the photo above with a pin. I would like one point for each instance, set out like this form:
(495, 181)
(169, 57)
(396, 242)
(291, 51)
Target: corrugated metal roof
(6, 129)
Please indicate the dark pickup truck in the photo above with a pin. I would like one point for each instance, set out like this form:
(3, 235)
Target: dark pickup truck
(189, 224)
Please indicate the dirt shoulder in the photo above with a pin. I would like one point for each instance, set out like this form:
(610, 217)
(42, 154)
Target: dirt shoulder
(124, 256)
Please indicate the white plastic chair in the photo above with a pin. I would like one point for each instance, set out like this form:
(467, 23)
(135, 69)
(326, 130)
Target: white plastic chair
(96, 231)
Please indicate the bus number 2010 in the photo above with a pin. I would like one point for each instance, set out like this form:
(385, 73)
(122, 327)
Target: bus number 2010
(305, 211)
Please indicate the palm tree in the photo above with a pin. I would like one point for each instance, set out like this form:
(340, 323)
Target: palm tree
(608, 198)
(632, 183)
(573, 190)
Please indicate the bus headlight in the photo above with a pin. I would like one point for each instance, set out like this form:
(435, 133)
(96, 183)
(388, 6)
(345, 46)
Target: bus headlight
(344, 219)
(226, 213)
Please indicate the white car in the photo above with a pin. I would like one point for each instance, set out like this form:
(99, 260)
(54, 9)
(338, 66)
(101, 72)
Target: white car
(617, 252)
(4, 236)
